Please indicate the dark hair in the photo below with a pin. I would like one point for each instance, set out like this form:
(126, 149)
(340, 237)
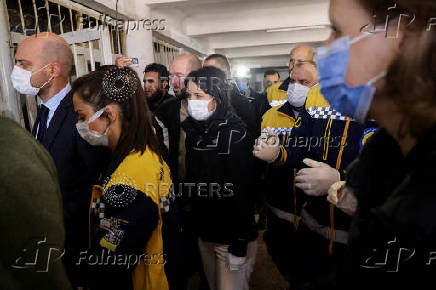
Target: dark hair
(221, 59)
(212, 81)
(415, 63)
(160, 69)
(136, 124)
(271, 73)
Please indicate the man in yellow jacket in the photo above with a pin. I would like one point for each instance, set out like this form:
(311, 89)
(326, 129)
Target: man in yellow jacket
(275, 95)
(281, 121)
(319, 144)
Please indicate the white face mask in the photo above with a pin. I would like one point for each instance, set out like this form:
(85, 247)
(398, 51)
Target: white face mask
(198, 109)
(21, 81)
(297, 94)
(94, 138)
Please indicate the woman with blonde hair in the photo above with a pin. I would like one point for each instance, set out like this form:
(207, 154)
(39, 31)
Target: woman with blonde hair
(379, 63)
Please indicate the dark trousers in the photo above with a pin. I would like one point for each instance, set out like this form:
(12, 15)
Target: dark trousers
(191, 258)
(302, 256)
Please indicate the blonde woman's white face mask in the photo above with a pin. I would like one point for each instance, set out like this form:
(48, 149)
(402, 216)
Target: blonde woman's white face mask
(199, 109)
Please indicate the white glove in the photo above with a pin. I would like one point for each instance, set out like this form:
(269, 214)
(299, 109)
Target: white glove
(234, 263)
(317, 179)
(267, 148)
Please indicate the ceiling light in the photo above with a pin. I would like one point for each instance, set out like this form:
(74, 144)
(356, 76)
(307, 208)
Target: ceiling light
(242, 71)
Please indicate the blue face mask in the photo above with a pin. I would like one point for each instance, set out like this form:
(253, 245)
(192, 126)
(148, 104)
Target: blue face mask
(332, 67)
(242, 86)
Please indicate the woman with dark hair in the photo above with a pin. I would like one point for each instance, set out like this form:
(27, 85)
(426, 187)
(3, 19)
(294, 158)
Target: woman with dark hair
(131, 216)
(380, 63)
(219, 167)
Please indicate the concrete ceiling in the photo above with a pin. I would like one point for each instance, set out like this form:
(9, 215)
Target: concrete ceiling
(249, 32)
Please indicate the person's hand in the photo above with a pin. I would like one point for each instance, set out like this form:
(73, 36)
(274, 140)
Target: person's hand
(317, 179)
(333, 192)
(267, 147)
(343, 198)
(122, 61)
(234, 263)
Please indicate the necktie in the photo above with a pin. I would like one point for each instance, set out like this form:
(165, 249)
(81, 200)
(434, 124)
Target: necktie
(42, 128)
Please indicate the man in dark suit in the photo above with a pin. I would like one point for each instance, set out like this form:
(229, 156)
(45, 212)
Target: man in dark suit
(43, 66)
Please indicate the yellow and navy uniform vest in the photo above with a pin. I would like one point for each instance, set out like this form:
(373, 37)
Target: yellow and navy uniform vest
(277, 93)
(324, 135)
(339, 141)
(279, 176)
(128, 216)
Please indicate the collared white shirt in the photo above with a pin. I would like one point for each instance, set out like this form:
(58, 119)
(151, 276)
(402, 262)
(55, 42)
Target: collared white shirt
(53, 103)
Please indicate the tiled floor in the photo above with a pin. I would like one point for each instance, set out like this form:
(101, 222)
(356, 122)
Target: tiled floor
(265, 275)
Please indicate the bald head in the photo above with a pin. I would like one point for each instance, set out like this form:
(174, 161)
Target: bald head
(300, 54)
(189, 62)
(305, 74)
(180, 67)
(46, 48)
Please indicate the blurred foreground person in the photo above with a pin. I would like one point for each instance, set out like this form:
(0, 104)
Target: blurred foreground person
(131, 215)
(220, 168)
(43, 66)
(390, 189)
(31, 216)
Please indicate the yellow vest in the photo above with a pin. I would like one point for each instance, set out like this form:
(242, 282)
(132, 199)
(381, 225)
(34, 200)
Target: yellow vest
(145, 173)
(275, 96)
(277, 120)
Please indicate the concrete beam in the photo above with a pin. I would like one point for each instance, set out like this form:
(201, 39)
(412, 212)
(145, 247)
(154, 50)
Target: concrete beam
(266, 50)
(259, 38)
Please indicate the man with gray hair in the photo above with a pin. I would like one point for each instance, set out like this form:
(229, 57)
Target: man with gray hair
(43, 65)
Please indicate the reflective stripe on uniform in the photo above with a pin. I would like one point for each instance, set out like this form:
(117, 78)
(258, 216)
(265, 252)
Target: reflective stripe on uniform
(287, 216)
(311, 223)
(276, 103)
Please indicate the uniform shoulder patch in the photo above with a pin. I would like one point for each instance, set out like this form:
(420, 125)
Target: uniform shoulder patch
(367, 133)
